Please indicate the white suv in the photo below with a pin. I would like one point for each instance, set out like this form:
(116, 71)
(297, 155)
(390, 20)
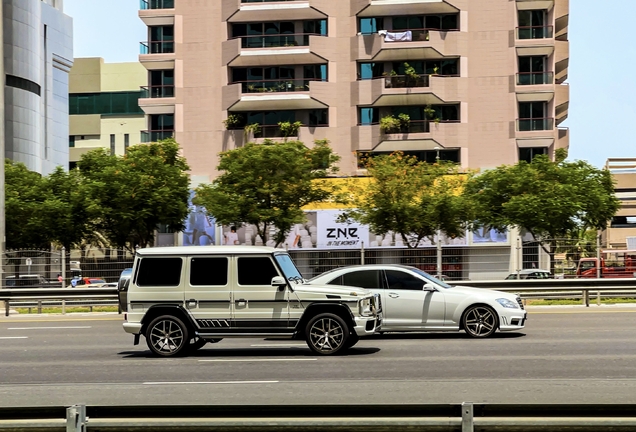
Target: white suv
(180, 298)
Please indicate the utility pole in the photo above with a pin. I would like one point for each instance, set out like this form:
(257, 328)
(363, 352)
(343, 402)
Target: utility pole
(2, 152)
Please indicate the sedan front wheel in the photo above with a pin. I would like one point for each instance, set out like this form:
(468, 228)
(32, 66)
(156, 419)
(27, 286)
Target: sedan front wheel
(480, 321)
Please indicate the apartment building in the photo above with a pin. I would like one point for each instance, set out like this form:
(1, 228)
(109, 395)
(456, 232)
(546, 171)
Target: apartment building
(104, 106)
(480, 83)
(622, 226)
(38, 53)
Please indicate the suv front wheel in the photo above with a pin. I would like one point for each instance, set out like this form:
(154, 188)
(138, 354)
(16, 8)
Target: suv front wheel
(327, 334)
(167, 336)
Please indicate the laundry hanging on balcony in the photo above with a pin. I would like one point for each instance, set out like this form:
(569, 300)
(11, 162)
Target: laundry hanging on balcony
(405, 36)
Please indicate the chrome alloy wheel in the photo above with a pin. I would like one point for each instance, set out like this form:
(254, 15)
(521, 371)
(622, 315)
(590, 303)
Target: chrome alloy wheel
(480, 321)
(166, 336)
(327, 334)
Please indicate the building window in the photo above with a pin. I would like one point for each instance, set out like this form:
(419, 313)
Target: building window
(529, 153)
(532, 25)
(112, 144)
(71, 141)
(532, 117)
(23, 83)
(623, 222)
(105, 103)
(126, 142)
(428, 156)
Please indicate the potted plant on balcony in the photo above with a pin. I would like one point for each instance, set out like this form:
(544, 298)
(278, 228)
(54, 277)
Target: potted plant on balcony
(430, 114)
(253, 129)
(388, 78)
(412, 77)
(233, 121)
(289, 129)
(405, 122)
(390, 124)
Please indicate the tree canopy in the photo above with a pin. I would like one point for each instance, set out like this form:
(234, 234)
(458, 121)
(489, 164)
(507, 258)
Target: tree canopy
(547, 199)
(135, 193)
(267, 185)
(412, 198)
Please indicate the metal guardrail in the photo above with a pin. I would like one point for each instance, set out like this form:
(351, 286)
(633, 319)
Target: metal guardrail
(465, 417)
(538, 288)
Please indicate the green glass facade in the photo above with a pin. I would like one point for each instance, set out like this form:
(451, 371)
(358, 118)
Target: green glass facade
(108, 103)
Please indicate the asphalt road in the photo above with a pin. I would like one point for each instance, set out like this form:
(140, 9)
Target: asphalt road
(565, 355)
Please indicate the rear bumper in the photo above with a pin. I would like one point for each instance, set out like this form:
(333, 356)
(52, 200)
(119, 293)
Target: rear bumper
(134, 328)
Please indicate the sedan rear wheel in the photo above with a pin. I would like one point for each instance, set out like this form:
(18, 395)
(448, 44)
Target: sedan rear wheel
(480, 321)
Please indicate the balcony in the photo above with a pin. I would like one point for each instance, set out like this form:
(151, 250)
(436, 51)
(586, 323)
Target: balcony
(273, 50)
(371, 8)
(561, 103)
(157, 99)
(238, 137)
(291, 94)
(155, 135)
(279, 10)
(561, 19)
(157, 55)
(157, 12)
(415, 44)
(535, 78)
(561, 60)
(420, 135)
(535, 32)
(400, 91)
(535, 124)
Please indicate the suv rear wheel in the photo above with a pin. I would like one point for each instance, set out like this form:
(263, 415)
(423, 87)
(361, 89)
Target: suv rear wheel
(327, 334)
(167, 336)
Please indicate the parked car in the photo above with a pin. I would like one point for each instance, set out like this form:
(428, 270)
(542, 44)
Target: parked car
(531, 274)
(239, 291)
(413, 300)
(29, 281)
(84, 282)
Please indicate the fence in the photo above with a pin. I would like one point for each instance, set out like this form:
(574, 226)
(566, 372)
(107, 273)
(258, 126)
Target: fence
(487, 260)
(465, 417)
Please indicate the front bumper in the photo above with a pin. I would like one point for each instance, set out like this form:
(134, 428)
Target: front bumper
(513, 319)
(367, 326)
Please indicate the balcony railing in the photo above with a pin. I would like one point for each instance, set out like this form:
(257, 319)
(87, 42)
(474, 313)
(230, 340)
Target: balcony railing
(156, 47)
(535, 124)
(264, 1)
(406, 81)
(275, 86)
(535, 78)
(270, 131)
(280, 40)
(535, 32)
(155, 135)
(156, 4)
(158, 91)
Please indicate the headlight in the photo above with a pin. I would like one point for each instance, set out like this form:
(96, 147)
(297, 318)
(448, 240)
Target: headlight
(365, 307)
(507, 303)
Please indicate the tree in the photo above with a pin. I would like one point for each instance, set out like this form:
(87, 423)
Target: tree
(547, 199)
(132, 195)
(65, 210)
(25, 193)
(267, 185)
(411, 198)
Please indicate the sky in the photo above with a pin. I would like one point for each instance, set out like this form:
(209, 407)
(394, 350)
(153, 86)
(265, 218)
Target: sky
(602, 97)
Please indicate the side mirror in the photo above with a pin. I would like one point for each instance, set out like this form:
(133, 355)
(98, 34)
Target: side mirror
(429, 287)
(280, 282)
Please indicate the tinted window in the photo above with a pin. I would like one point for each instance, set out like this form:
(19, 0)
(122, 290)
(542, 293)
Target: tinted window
(256, 271)
(363, 279)
(405, 281)
(208, 271)
(159, 272)
(337, 281)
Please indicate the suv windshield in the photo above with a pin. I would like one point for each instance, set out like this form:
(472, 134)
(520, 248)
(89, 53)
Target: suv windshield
(289, 268)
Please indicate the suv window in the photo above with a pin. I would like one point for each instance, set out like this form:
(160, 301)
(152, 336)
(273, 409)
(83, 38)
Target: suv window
(256, 271)
(404, 281)
(208, 271)
(364, 279)
(159, 272)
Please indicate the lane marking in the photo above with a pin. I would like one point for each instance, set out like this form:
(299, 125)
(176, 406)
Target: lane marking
(14, 337)
(280, 345)
(531, 312)
(259, 360)
(207, 382)
(48, 328)
(52, 319)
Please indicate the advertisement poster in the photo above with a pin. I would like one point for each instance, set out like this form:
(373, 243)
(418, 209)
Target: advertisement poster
(199, 227)
(485, 237)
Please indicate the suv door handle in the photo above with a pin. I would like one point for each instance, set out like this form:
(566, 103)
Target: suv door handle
(394, 295)
(192, 303)
(241, 301)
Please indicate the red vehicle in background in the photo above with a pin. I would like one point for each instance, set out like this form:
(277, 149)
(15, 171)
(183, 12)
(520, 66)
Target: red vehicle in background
(613, 264)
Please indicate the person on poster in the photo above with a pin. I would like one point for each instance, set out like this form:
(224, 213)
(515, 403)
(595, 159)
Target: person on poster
(231, 237)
